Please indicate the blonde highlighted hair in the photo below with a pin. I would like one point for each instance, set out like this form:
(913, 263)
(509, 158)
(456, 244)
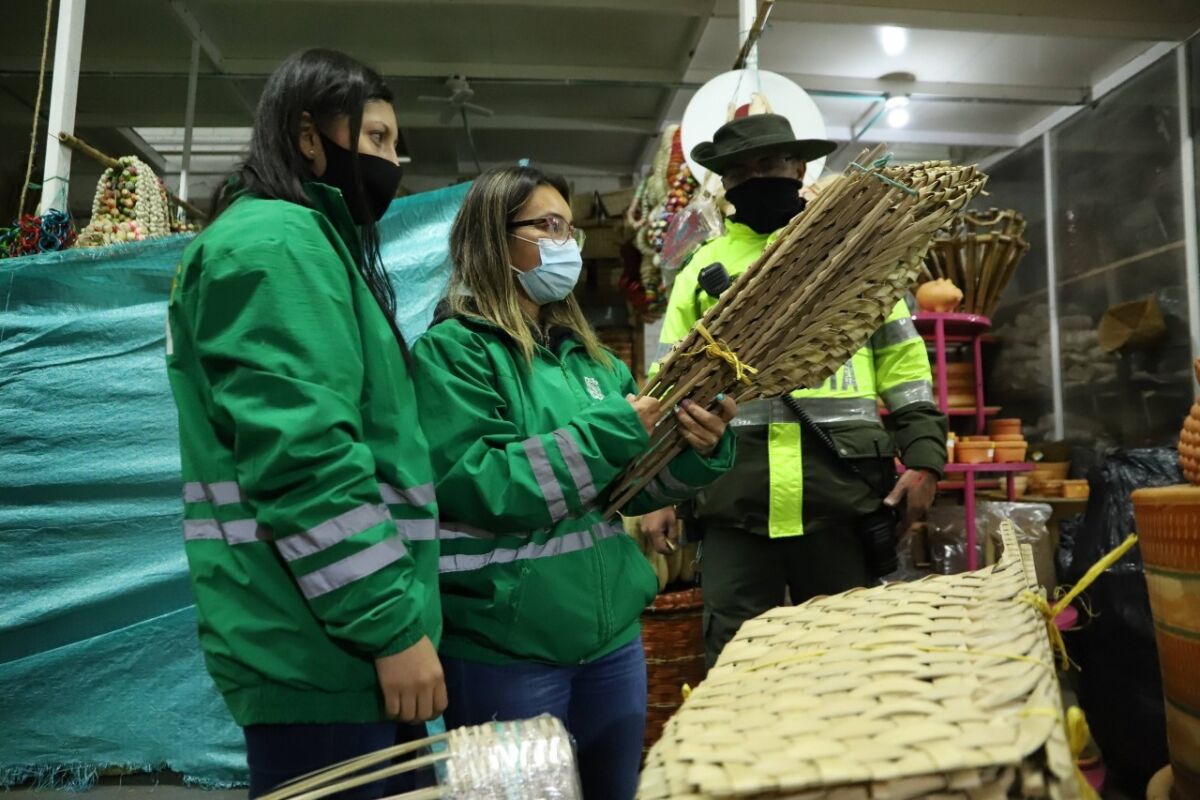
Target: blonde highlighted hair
(483, 284)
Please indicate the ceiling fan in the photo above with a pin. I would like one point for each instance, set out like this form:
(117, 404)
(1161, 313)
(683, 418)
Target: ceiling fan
(458, 104)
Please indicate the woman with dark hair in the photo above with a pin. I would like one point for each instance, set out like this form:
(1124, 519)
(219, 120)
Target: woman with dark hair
(529, 420)
(310, 518)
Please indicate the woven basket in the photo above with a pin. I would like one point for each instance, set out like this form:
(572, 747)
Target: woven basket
(673, 635)
(1168, 522)
(941, 688)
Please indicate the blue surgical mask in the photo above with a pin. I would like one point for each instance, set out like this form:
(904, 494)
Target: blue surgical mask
(556, 276)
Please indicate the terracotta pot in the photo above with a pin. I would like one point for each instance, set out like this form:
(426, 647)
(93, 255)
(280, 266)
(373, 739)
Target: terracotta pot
(977, 438)
(1076, 490)
(1045, 488)
(1052, 470)
(1005, 425)
(1020, 485)
(1189, 440)
(1007, 437)
(1168, 523)
(1010, 452)
(960, 399)
(974, 452)
(939, 295)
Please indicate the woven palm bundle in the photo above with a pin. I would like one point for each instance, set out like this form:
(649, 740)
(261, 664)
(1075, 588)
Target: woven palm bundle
(813, 298)
(523, 760)
(979, 253)
(942, 688)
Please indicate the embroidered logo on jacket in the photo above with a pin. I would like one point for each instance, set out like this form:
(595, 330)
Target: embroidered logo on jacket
(593, 388)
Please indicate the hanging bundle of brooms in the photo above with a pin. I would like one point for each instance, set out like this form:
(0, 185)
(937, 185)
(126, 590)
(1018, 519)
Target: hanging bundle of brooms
(812, 299)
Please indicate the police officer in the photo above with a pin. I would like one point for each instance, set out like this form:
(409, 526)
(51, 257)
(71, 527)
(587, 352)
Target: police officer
(795, 515)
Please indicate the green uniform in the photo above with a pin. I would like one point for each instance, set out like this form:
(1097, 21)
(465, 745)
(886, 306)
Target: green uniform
(523, 455)
(785, 486)
(310, 522)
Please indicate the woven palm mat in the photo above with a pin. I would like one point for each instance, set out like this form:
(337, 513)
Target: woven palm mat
(940, 688)
(812, 299)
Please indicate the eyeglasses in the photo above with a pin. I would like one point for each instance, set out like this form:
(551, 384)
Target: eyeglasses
(771, 166)
(557, 229)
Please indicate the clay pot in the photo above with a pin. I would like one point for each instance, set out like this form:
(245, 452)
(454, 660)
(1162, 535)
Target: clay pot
(977, 438)
(1005, 425)
(1051, 470)
(1046, 488)
(974, 452)
(1020, 485)
(939, 295)
(1168, 524)
(1010, 452)
(1007, 437)
(1075, 490)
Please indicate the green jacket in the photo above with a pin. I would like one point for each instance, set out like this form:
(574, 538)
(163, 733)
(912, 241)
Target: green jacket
(309, 513)
(784, 485)
(523, 455)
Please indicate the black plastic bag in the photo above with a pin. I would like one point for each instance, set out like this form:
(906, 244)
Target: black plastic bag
(1120, 688)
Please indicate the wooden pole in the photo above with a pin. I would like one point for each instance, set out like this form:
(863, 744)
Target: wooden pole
(82, 147)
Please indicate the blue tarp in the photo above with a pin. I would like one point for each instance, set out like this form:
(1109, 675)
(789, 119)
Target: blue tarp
(99, 662)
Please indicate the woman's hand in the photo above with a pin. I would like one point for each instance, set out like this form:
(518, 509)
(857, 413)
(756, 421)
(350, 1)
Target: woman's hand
(660, 528)
(412, 683)
(647, 408)
(701, 429)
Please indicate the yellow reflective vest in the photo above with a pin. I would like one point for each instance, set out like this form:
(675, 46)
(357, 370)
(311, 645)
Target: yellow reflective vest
(892, 367)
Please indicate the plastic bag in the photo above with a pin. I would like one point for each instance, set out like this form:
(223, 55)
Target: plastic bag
(948, 535)
(1120, 687)
(698, 222)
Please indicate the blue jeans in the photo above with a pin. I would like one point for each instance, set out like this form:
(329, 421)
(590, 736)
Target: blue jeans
(278, 753)
(603, 705)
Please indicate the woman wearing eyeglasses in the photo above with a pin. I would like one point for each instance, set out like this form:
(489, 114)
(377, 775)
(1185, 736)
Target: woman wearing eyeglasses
(529, 420)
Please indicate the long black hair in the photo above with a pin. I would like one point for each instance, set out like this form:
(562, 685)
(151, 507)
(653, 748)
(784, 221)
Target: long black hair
(328, 85)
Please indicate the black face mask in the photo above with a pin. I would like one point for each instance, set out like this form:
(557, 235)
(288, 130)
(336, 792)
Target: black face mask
(380, 178)
(766, 204)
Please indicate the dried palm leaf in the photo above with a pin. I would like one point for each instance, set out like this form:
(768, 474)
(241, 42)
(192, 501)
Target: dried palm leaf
(812, 299)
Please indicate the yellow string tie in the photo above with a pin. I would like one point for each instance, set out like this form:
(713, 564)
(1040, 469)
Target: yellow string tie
(686, 691)
(1078, 736)
(718, 349)
(1050, 612)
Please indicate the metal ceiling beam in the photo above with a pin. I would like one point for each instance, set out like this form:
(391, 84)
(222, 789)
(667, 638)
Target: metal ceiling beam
(672, 7)
(699, 24)
(917, 136)
(143, 149)
(189, 21)
(871, 88)
(1100, 19)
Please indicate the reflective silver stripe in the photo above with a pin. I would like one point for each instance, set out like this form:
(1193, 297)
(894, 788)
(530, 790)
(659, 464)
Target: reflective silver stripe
(559, 545)
(576, 465)
(674, 485)
(910, 300)
(330, 532)
(755, 412)
(905, 394)
(895, 332)
(418, 530)
(349, 569)
(459, 530)
(197, 529)
(223, 493)
(658, 492)
(416, 496)
(238, 531)
(823, 410)
(552, 493)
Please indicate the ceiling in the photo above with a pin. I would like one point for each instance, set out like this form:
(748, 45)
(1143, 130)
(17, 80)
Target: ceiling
(580, 87)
